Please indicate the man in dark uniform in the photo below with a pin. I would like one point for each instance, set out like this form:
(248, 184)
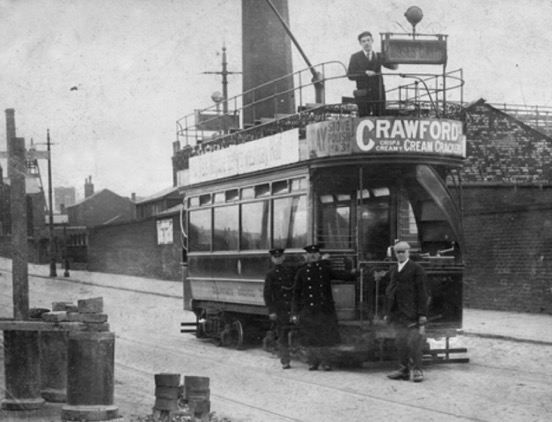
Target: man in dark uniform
(278, 292)
(408, 299)
(365, 68)
(314, 308)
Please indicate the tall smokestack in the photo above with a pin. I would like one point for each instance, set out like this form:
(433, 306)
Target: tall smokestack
(266, 55)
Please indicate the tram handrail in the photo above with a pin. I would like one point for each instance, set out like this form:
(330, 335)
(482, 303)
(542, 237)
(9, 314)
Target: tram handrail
(188, 128)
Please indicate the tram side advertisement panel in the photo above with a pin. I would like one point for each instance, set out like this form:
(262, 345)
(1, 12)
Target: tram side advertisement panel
(386, 135)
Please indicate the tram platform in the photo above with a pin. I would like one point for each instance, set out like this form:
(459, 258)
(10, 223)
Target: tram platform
(514, 326)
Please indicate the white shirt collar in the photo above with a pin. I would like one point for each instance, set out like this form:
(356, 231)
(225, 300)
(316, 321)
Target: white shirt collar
(401, 266)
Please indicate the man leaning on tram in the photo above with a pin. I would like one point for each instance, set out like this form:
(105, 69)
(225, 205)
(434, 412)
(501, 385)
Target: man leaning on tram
(365, 69)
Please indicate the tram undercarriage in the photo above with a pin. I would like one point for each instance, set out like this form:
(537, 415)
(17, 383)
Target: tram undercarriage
(361, 341)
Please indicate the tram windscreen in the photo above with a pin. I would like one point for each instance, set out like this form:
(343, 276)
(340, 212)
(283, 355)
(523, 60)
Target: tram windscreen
(367, 210)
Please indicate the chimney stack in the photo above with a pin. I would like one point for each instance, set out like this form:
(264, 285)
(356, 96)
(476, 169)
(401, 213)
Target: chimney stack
(88, 187)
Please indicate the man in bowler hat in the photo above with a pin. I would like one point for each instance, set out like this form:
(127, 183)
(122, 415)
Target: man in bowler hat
(313, 307)
(407, 307)
(278, 292)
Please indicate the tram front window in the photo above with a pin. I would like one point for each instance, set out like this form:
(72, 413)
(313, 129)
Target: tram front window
(374, 224)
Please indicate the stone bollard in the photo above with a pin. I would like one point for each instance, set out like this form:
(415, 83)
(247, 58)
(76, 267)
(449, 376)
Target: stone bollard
(53, 365)
(197, 394)
(90, 367)
(167, 394)
(22, 370)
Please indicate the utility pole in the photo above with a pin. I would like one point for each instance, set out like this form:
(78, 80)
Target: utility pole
(224, 74)
(17, 171)
(53, 272)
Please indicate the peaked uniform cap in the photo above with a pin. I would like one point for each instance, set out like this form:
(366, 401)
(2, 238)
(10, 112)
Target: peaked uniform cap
(276, 252)
(312, 248)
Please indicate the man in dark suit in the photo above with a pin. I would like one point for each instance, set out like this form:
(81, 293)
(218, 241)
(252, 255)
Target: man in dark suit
(278, 294)
(408, 299)
(313, 307)
(365, 68)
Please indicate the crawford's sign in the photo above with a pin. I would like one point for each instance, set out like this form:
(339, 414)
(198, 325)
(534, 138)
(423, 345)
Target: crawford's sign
(386, 135)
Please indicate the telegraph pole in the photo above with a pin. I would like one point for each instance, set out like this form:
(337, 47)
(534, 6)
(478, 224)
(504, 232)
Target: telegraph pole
(53, 272)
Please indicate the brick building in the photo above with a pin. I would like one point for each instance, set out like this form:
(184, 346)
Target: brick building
(99, 208)
(507, 199)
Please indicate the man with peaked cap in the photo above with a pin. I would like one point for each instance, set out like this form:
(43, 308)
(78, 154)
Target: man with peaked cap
(313, 307)
(407, 307)
(278, 292)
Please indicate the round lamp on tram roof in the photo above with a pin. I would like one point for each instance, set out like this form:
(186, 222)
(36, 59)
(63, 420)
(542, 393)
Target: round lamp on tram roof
(217, 97)
(414, 15)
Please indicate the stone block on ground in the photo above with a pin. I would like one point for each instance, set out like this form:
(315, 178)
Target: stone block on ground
(57, 316)
(94, 318)
(91, 306)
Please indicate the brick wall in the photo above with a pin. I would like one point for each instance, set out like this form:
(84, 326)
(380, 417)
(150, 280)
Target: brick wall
(507, 200)
(509, 259)
(131, 248)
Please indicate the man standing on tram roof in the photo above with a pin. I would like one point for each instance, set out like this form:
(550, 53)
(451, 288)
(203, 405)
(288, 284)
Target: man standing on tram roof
(365, 68)
(278, 293)
(407, 308)
(313, 307)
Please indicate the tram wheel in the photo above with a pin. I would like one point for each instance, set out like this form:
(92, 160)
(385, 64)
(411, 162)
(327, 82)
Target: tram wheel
(233, 337)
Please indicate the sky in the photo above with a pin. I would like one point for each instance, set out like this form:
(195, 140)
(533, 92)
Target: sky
(109, 79)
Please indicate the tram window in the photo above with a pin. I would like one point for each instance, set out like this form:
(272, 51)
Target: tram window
(255, 226)
(247, 193)
(431, 212)
(380, 192)
(375, 228)
(205, 199)
(194, 202)
(232, 195)
(365, 194)
(200, 230)
(279, 188)
(298, 184)
(326, 199)
(225, 228)
(342, 198)
(262, 190)
(219, 197)
(336, 227)
(290, 222)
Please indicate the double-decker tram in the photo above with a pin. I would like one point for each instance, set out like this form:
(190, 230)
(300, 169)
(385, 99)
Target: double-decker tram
(324, 175)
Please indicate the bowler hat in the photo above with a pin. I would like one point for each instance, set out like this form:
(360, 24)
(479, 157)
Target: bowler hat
(401, 246)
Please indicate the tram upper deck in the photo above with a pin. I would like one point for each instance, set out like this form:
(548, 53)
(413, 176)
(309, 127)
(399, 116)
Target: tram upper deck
(237, 119)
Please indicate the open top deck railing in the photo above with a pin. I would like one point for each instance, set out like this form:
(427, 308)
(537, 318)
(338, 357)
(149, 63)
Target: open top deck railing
(425, 95)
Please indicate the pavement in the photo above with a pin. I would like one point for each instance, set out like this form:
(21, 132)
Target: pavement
(511, 326)
(514, 326)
